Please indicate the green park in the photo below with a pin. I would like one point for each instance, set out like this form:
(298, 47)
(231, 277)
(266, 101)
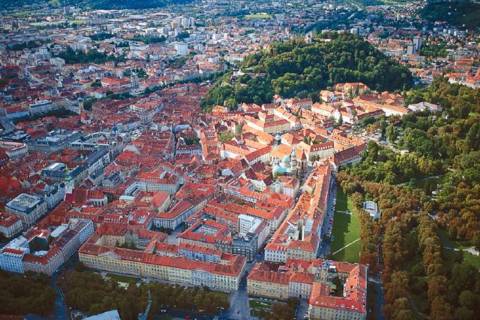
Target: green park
(346, 243)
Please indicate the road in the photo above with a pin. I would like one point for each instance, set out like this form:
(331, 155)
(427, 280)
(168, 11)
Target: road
(144, 316)
(302, 310)
(60, 309)
(239, 306)
(379, 299)
(324, 249)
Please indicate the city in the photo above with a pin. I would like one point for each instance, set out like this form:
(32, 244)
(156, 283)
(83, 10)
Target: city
(218, 159)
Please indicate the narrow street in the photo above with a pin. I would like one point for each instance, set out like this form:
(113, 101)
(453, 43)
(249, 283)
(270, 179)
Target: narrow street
(302, 310)
(379, 299)
(239, 305)
(61, 311)
(144, 316)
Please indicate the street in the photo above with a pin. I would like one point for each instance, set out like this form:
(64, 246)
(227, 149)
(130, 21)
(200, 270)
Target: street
(239, 306)
(324, 248)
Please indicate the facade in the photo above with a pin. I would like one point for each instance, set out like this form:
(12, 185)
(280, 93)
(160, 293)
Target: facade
(11, 256)
(314, 280)
(10, 224)
(43, 251)
(218, 271)
(14, 150)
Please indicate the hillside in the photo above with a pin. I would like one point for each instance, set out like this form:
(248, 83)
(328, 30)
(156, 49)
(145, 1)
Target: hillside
(299, 69)
(93, 4)
(460, 13)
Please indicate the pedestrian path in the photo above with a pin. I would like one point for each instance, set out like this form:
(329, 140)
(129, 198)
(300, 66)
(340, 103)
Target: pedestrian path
(346, 246)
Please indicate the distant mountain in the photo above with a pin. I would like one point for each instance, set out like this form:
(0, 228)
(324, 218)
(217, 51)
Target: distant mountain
(93, 4)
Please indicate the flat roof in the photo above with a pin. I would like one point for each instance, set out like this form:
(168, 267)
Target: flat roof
(24, 202)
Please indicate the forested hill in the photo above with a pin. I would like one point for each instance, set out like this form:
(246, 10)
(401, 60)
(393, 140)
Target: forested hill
(461, 13)
(297, 68)
(93, 4)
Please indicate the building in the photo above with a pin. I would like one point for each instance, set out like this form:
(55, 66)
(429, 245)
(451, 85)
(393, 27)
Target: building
(14, 150)
(300, 234)
(371, 208)
(54, 141)
(44, 251)
(247, 223)
(11, 256)
(183, 264)
(53, 194)
(56, 171)
(424, 106)
(350, 305)
(10, 224)
(41, 107)
(172, 218)
(158, 180)
(29, 208)
(316, 281)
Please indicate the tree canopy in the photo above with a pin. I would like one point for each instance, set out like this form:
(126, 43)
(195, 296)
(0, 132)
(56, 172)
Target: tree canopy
(299, 69)
(429, 177)
(461, 13)
(21, 295)
(90, 293)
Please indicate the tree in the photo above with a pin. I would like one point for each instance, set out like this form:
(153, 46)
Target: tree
(391, 134)
(225, 136)
(441, 309)
(468, 299)
(238, 129)
(473, 137)
(463, 313)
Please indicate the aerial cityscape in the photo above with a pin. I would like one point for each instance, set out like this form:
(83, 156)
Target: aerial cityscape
(240, 159)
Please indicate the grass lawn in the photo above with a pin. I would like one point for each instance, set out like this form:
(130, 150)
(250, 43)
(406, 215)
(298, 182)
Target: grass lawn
(448, 243)
(258, 16)
(122, 278)
(346, 228)
(259, 304)
(258, 307)
(472, 259)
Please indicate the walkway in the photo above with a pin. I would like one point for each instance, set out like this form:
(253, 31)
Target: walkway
(470, 250)
(346, 246)
(144, 316)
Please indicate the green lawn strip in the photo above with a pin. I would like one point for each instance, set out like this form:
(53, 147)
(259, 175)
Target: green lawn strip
(471, 259)
(258, 16)
(122, 278)
(259, 305)
(346, 229)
